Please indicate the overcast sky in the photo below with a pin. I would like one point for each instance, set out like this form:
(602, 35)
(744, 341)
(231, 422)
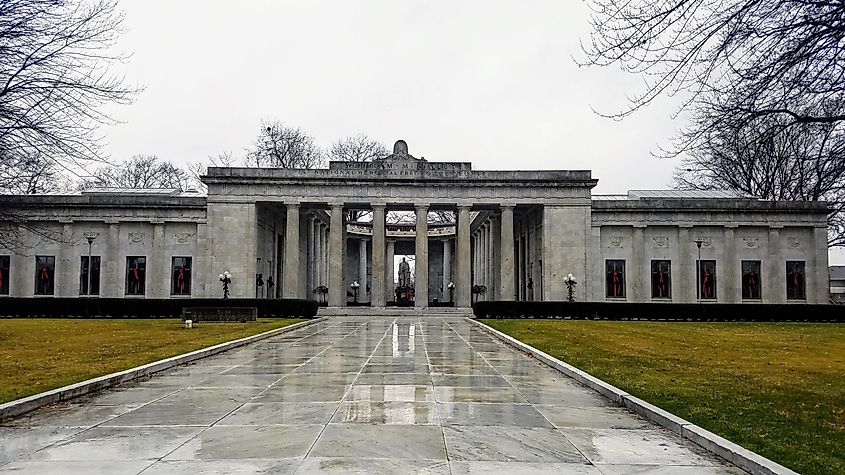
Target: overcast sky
(491, 82)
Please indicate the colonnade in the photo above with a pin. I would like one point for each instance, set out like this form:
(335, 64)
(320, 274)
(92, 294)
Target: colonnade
(491, 247)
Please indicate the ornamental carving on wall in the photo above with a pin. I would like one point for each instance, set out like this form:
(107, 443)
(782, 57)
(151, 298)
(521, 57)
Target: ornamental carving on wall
(751, 242)
(706, 241)
(793, 242)
(616, 241)
(135, 238)
(661, 241)
(183, 238)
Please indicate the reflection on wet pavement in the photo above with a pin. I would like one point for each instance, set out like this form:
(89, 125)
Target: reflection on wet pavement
(352, 395)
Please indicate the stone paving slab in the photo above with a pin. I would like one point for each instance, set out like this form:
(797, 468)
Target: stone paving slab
(353, 395)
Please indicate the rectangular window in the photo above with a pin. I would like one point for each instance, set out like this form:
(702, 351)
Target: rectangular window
(795, 288)
(661, 279)
(751, 280)
(45, 275)
(4, 274)
(181, 276)
(706, 280)
(136, 270)
(93, 278)
(615, 279)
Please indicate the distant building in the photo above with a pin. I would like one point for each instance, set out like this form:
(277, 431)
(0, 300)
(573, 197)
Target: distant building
(837, 284)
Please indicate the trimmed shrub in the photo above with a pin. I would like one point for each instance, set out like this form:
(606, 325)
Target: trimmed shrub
(660, 311)
(84, 307)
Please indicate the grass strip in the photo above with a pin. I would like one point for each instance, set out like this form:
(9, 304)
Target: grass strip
(777, 389)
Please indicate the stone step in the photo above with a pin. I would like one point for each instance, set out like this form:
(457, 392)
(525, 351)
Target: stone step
(394, 311)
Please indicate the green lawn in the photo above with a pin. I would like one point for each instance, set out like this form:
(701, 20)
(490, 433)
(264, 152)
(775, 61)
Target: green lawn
(776, 389)
(45, 353)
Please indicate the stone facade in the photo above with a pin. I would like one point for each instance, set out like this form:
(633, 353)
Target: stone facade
(517, 234)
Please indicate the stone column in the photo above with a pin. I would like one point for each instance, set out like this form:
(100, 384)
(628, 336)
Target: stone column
(636, 274)
(158, 269)
(447, 269)
(200, 285)
(774, 284)
(112, 279)
(684, 280)
(495, 258)
(421, 257)
(730, 270)
(463, 278)
(595, 265)
(362, 270)
(520, 271)
(311, 270)
(63, 286)
(388, 268)
(323, 275)
(378, 286)
(506, 270)
(290, 287)
(817, 279)
(337, 290)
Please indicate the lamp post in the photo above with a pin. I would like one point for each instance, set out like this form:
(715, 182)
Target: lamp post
(698, 243)
(451, 287)
(570, 282)
(226, 279)
(355, 285)
(90, 237)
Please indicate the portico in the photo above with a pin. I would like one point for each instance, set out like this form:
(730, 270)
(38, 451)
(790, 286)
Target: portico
(301, 222)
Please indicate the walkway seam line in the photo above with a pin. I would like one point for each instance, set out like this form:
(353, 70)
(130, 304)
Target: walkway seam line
(30, 403)
(743, 458)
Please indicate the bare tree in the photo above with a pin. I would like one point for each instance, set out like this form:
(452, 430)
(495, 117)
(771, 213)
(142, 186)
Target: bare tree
(197, 169)
(774, 160)
(55, 62)
(280, 146)
(32, 175)
(141, 171)
(357, 148)
(735, 59)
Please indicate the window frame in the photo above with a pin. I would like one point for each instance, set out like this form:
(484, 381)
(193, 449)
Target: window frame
(51, 275)
(5, 274)
(173, 276)
(701, 266)
(803, 279)
(143, 282)
(84, 280)
(758, 282)
(608, 278)
(667, 278)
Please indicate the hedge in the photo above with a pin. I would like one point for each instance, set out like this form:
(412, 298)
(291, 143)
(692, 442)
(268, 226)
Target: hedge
(58, 307)
(661, 311)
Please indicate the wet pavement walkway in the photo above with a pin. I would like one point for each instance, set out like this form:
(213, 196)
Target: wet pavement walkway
(347, 395)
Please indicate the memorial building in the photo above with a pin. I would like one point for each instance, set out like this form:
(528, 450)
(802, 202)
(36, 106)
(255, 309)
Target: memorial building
(514, 236)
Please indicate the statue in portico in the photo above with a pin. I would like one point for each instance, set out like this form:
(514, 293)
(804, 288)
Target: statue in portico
(404, 274)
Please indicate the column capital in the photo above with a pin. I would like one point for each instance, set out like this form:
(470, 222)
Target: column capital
(510, 206)
(336, 204)
(378, 205)
(775, 226)
(639, 226)
(685, 226)
(422, 206)
(464, 205)
(731, 226)
(294, 204)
